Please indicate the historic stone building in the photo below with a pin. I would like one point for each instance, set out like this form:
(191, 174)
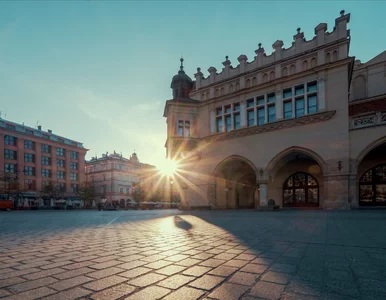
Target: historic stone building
(304, 126)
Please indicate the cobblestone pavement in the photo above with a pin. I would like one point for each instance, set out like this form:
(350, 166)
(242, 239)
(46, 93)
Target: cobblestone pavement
(192, 255)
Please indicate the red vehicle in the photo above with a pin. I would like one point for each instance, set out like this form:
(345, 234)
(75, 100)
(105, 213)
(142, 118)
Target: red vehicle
(6, 205)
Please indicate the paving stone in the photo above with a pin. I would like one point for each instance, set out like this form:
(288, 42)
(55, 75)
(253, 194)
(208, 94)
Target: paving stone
(276, 277)
(132, 264)
(149, 293)
(236, 263)
(69, 283)
(32, 294)
(158, 264)
(186, 293)
(105, 265)
(105, 272)
(206, 282)
(73, 273)
(78, 265)
(11, 281)
(212, 262)
(32, 284)
(304, 287)
(56, 265)
(115, 292)
(176, 281)
(72, 294)
(244, 278)
(104, 283)
(267, 290)
(228, 291)
(283, 268)
(263, 261)
(147, 279)
(43, 274)
(9, 273)
(203, 256)
(223, 271)
(4, 293)
(224, 256)
(136, 272)
(196, 271)
(244, 256)
(170, 270)
(188, 262)
(254, 268)
(177, 257)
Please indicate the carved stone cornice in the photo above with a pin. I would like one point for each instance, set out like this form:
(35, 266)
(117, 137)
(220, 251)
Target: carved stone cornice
(308, 119)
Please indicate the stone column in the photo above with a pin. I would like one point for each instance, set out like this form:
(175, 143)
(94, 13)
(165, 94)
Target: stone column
(243, 114)
(279, 105)
(263, 194)
(321, 94)
(212, 121)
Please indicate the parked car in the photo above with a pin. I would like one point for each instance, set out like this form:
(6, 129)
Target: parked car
(6, 205)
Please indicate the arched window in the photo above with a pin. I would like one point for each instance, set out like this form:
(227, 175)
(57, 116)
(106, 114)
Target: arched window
(359, 87)
(265, 78)
(313, 62)
(231, 88)
(272, 75)
(254, 81)
(292, 69)
(305, 65)
(285, 71)
(327, 58)
(372, 187)
(301, 189)
(237, 86)
(248, 83)
(222, 91)
(216, 93)
(335, 56)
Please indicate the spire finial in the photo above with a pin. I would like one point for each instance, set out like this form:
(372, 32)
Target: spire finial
(298, 29)
(259, 45)
(226, 57)
(182, 65)
(342, 13)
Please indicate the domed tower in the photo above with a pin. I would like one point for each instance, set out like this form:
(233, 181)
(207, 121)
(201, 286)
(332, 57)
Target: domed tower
(134, 158)
(181, 83)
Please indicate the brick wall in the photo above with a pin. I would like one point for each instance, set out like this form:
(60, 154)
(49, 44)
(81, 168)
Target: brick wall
(370, 106)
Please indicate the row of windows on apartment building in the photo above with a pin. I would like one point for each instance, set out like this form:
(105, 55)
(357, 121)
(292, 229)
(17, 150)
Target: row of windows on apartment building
(45, 160)
(297, 101)
(31, 171)
(12, 141)
(30, 185)
(122, 191)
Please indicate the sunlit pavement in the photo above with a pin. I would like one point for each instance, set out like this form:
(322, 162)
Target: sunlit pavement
(170, 254)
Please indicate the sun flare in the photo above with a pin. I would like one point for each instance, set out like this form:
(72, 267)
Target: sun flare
(169, 167)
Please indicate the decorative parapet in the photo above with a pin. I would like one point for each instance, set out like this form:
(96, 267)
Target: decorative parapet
(282, 124)
(368, 120)
(299, 45)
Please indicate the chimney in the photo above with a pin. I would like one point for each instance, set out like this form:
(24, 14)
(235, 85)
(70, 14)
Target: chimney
(49, 131)
(39, 127)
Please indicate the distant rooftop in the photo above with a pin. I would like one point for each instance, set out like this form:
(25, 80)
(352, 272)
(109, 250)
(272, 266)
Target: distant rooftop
(38, 132)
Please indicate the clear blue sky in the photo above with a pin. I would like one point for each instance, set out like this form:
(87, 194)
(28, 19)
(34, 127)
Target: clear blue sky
(100, 72)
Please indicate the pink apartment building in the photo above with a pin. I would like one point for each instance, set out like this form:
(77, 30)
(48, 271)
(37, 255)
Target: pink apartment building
(35, 157)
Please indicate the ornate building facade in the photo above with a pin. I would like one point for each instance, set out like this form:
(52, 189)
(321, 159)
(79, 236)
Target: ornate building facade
(303, 126)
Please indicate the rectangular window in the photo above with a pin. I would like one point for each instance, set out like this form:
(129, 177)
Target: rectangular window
(46, 161)
(236, 121)
(46, 173)
(29, 157)
(60, 163)
(251, 117)
(187, 129)
(299, 90)
(180, 131)
(260, 100)
(29, 171)
(73, 176)
(271, 98)
(29, 184)
(60, 151)
(29, 145)
(261, 116)
(228, 123)
(73, 165)
(250, 103)
(312, 87)
(10, 168)
(46, 148)
(287, 110)
(60, 174)
(299, 107)
(73, 155)
(218, 111)
(271, 113)
(219, 125)
(10, 154)
(46, 136)
(121, 191)
(9, 126)
(27, 131)
(312, 104)
(228, 109)
(183, 128)
(10, 140)
(287, 93)
(61, 187)
(74, 187)
(236, 107)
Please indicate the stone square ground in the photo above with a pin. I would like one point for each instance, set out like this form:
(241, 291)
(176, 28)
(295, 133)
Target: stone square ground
(170, 254)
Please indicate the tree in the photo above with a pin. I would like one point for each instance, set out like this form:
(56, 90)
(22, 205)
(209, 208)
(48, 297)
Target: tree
(52, 190)
(138, 192)
(9, 185)
(86, 192)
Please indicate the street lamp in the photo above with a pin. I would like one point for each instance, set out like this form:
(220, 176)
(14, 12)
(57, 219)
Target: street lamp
(171, 190)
